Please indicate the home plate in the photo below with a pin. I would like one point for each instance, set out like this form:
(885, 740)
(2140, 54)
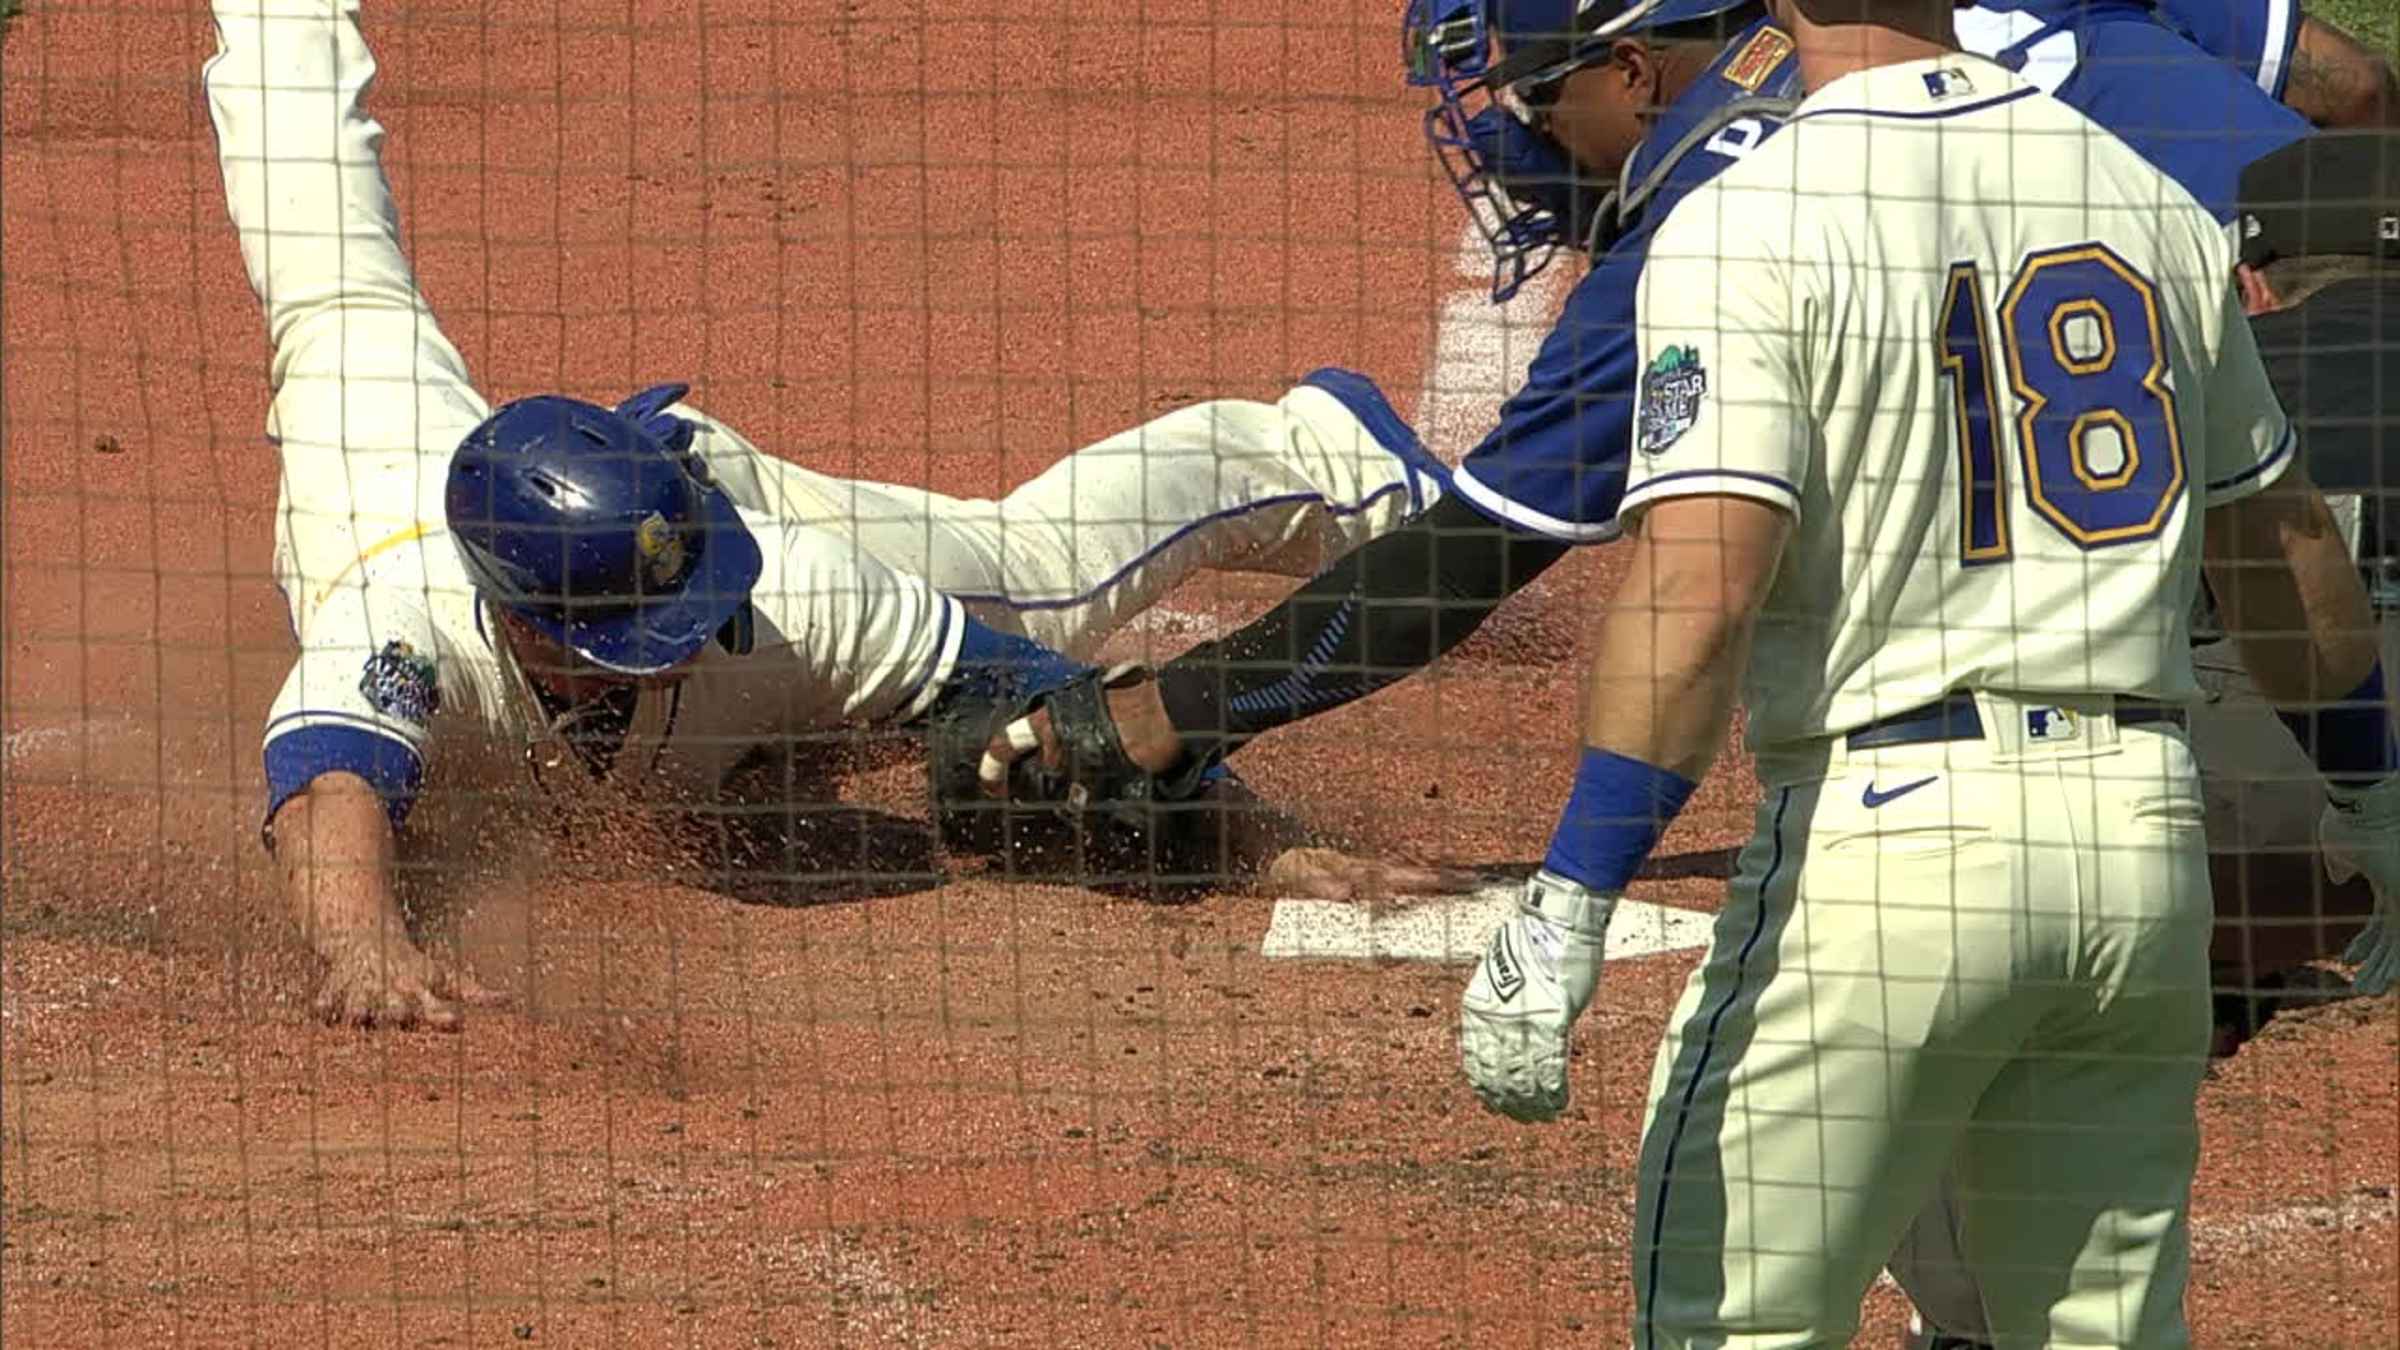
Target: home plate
(1454, 931)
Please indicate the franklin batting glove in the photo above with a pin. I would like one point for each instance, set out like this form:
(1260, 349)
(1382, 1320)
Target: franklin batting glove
(1537, 977)
(2360, 834)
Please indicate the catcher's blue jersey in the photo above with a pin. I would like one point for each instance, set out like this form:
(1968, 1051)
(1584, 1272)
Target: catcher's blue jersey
(1556, 463)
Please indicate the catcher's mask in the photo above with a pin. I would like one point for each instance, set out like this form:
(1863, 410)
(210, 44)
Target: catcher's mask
(580, 522)
(1495, 66)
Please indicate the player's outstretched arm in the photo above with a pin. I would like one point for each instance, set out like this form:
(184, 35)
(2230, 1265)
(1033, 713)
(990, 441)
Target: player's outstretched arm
(334, 854)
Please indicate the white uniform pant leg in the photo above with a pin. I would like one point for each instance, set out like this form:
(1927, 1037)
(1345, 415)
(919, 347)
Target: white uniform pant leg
(370, 396)
(1067, 558)
(1282, 488)
(2075, 1175)
(1875, 973)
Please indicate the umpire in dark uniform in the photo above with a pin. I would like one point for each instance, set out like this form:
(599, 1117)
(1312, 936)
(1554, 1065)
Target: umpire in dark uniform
(2320, 276)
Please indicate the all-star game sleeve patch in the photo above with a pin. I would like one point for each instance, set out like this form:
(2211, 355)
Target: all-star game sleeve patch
(1758, 59)
(1672, 387)
(402, 682)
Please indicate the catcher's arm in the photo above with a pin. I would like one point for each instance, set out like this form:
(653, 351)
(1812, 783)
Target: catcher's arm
(1384, 612)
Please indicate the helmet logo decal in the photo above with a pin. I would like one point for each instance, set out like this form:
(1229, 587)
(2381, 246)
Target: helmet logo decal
(661, 548)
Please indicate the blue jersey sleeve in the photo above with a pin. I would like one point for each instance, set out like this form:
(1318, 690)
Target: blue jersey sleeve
(298, 756)
(1556, 463)
(2187, 111)
(359, 700)
(2257, 36)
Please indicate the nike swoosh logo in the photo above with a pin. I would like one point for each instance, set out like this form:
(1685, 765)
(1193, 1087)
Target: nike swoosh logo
(1872, 799)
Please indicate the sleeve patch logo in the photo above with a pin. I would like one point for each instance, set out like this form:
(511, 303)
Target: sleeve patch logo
(401, 682)
(1671, 392)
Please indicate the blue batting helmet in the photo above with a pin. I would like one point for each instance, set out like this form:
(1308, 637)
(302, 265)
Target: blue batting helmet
(579, 521)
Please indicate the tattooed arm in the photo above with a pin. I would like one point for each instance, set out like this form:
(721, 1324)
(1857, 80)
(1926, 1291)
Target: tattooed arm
(2338, 81)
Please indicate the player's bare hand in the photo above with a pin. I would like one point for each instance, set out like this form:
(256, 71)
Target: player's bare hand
(1330, 874)
(1028, 735)
(364, 987)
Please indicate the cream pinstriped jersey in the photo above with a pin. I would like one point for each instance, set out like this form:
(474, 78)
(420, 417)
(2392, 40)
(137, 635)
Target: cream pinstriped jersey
(1992, 362)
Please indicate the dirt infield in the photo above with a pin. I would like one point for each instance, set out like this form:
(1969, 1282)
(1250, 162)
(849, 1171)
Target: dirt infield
(939, 244)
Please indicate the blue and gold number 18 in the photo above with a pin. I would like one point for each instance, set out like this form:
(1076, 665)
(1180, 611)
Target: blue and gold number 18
(2084, 345)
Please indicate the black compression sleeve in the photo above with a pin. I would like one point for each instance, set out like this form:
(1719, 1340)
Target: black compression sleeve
(1381, 614)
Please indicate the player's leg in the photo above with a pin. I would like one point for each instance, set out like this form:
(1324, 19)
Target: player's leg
(1815, 1076)
(1931, 1267)
(368, 392)
(2075, 1173)
(1232, 484)
(1107, 531)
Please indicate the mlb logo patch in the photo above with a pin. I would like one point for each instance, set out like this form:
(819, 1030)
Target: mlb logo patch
(2051, 724)
(1948, 83)
(1671, 391)
(2388, 229)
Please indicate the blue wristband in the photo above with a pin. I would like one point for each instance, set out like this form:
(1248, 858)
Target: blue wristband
(1614, 817)
(2350, 741)
(994, 664)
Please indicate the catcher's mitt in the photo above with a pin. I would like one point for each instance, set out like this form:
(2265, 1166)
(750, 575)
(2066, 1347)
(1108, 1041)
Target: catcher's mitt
(1098, 775)
(1096, 787)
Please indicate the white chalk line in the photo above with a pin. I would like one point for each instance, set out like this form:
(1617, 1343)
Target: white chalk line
(17, 744)
(863, 1295)
(26, 742)
(1454, 931)
(1172, 621)
(2245, 1235)
(1481, 351)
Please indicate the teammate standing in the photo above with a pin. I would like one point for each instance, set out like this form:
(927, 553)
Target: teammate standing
(1972, 926)
(638, 589)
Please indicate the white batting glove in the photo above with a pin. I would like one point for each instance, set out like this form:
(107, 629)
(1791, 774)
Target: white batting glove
(1537, 977)
(2360, 834)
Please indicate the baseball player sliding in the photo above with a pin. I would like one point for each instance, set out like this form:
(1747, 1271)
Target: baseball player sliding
(638, 588)
(1936, 429)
